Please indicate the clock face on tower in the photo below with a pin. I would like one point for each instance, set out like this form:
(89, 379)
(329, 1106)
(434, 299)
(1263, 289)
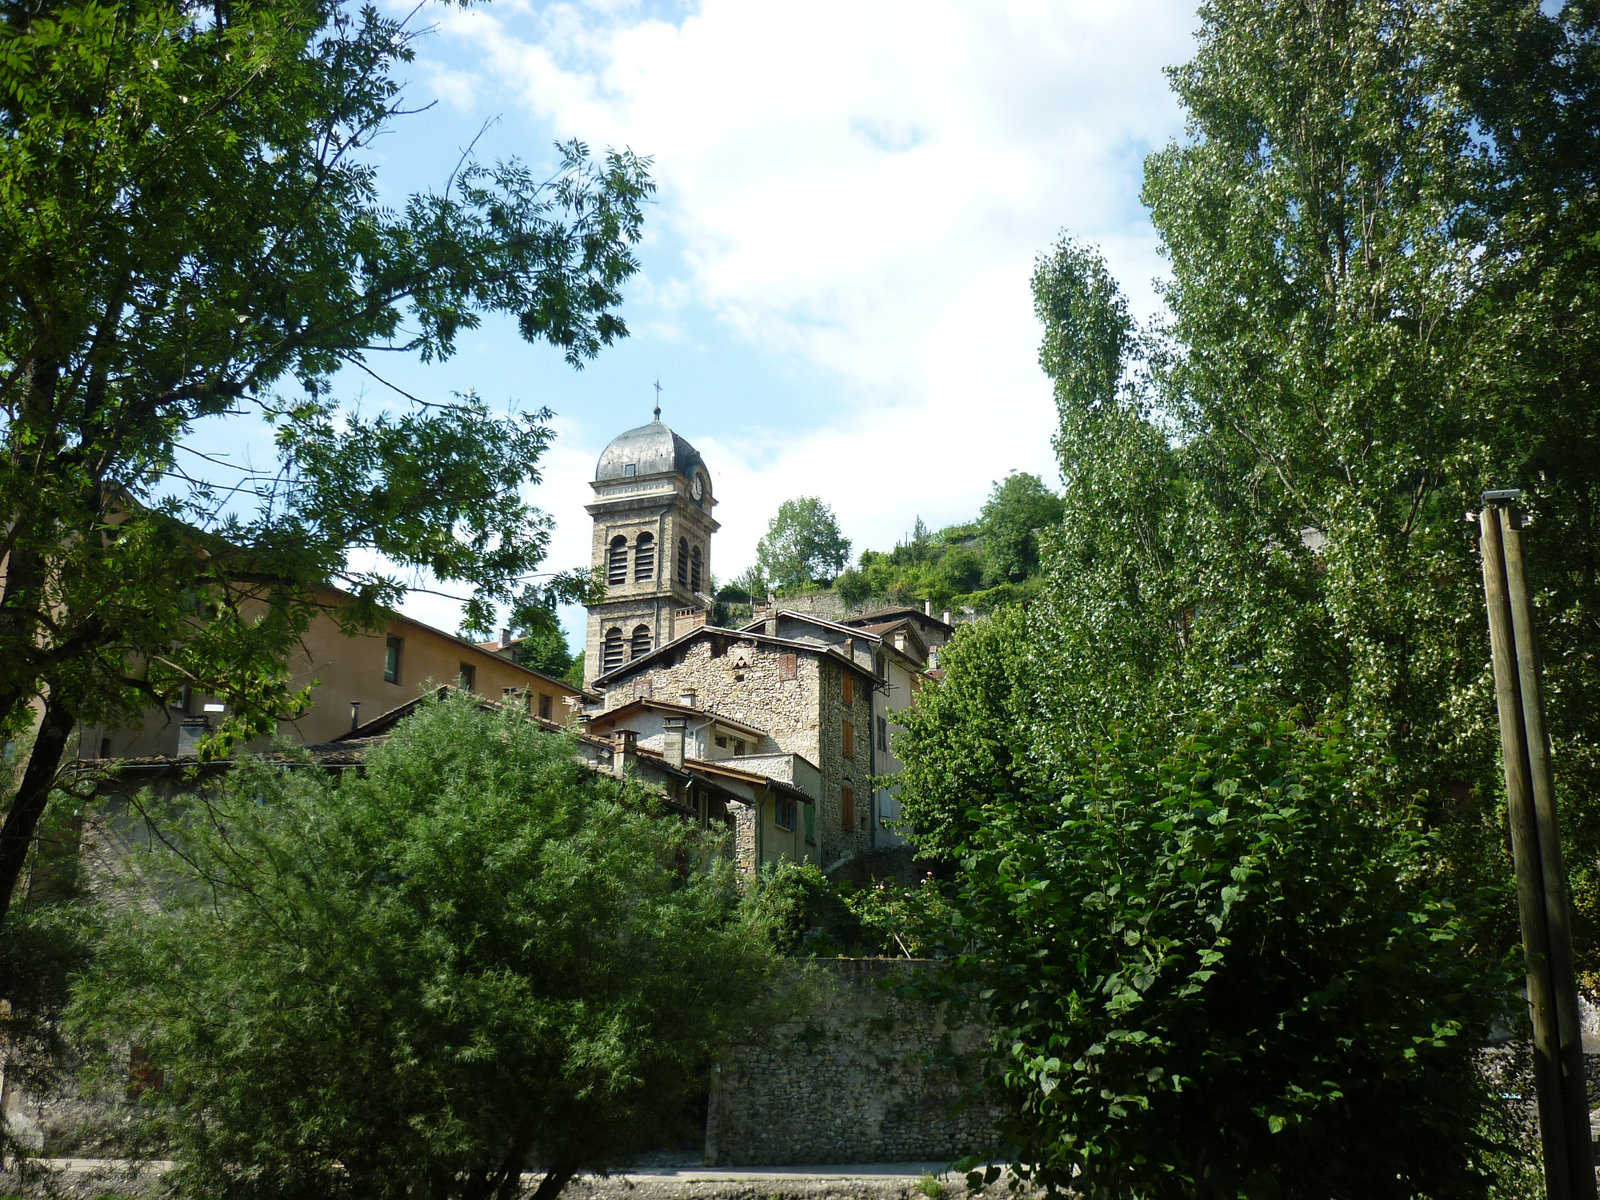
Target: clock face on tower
(697, 487)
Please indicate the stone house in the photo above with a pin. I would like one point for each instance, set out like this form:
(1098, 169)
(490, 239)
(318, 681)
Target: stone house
(807, 701)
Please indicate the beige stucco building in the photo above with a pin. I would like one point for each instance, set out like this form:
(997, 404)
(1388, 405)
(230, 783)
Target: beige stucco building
(354, 678)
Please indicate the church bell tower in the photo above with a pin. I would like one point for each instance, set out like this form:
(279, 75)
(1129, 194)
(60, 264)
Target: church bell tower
(652, 545)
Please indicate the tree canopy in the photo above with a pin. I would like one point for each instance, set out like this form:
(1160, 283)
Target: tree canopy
(1382, 230)
(476, 957)
(191, 228)
(1217, 963)
(802, 545)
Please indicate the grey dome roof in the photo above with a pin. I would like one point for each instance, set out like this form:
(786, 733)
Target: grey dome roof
(652, 449)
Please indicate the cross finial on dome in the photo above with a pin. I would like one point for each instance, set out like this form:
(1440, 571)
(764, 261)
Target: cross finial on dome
(658, 399)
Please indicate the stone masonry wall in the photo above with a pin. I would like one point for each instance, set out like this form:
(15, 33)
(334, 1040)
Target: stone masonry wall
(863, 1073)
(743, 679)
(840, 771)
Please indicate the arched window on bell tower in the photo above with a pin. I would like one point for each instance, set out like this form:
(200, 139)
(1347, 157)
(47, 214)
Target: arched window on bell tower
(683, 561)
(611, 656)
(617, 562)
(644, 558)
(694, 569)
(640, 645)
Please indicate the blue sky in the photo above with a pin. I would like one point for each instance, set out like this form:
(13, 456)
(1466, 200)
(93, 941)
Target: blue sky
(834, 293)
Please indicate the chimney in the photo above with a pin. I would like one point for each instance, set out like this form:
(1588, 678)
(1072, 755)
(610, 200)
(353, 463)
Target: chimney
(927, 608)
(624, 752)
(947, 616)
(771, 629)
(672, 745)
(355, 714)
(687, 698)
(505, 635)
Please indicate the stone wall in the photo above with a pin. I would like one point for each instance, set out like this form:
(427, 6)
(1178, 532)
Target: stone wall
(865, 1073)
(743, 678)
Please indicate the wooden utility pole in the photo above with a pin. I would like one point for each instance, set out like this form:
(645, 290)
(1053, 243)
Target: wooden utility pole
(1542, 905)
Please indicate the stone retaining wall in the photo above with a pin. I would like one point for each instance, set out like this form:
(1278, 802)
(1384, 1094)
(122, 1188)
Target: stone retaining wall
(868, 1072)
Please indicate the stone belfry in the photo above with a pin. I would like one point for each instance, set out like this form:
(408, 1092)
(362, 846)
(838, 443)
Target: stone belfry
(652, 544)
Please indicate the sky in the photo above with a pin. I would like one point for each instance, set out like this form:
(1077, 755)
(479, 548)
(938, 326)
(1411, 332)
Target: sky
(834, 292)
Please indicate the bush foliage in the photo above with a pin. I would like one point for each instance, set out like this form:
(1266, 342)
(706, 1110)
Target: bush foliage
(1220, 972)
(475, 957)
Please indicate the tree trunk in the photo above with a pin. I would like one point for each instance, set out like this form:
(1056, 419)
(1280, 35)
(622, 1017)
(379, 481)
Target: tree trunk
(552, 1185)
(22, 822)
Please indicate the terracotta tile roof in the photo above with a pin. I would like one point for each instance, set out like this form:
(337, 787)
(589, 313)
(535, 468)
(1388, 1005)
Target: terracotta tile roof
(679, 710)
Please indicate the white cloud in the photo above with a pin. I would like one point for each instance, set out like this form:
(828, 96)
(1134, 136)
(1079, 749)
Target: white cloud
(860, 187)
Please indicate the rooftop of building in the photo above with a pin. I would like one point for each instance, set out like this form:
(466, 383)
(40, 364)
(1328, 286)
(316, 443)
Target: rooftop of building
(651, 449)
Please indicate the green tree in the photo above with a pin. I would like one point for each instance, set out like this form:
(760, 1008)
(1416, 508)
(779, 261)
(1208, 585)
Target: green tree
(191, 224)
(534, 619)
(476, 956)
(802, 545)
(1217, 964)
(1384, 247)
(1018, 507)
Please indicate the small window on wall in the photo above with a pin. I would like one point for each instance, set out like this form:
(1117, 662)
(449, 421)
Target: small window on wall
(847, 808)
(683, 561)
(788, 666)
(883, 733)
(546, 707)
(694, 569)
(783, 813)
(617, 562)
(611, 651)
(848, 732)
(391, 659)
(466, 677)
(847, 688)
(738, 747)
(644, 558)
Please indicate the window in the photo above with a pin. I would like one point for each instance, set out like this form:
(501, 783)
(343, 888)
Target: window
(849, 731)
(880, 665)
(617, 562)
(722, 742)
(847, 808)
(466, 677)
(182, 698)
(629, 470)
(391, 658)
(611, 651)
(694, 569)
(738, 751)
(514, 698)
(644, 558)
(683, 561)
(811, 823)
(847, 688)
(788, 666)
(783, 812)
(639, 644)
(883, 733)
(546, 707)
